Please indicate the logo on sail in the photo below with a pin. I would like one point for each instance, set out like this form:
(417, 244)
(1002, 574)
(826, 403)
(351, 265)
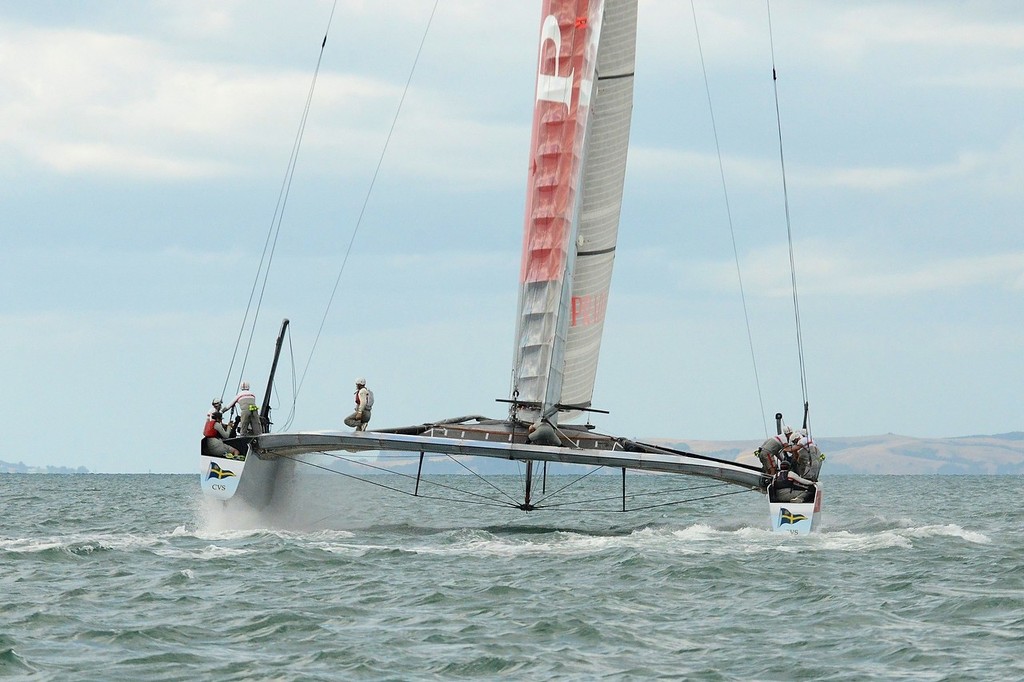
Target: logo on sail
(550, 86)
(218, 473)
(786, 516)
(588, 310)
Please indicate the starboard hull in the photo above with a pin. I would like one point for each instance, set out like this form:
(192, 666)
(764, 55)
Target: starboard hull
(796, 518)
(249, 479)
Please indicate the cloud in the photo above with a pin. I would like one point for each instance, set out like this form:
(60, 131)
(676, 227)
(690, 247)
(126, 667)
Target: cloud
(830, 35)
(926, 27)
(834, 271)
(1004, 77)
(87, 102)
(880, 178)
(995, 170)
(121, 159)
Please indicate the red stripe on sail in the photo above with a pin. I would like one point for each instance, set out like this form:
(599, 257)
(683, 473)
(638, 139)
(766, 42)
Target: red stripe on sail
(557, 141)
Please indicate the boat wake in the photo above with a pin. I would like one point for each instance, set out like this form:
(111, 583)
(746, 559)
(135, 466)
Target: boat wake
(80, 543)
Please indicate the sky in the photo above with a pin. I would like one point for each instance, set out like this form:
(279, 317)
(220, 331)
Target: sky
(144, 147)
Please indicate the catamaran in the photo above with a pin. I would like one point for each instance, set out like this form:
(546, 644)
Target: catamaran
(579, 144)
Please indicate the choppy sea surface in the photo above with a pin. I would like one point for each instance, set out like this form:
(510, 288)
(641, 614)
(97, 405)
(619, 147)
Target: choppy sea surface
(139, 578)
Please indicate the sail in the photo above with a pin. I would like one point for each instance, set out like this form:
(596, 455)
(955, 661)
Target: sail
(574, 193)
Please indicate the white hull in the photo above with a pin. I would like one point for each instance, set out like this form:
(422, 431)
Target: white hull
(222, 479)
(796, 518)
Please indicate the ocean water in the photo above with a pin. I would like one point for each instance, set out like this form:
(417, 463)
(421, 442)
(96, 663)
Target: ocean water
(139, 578)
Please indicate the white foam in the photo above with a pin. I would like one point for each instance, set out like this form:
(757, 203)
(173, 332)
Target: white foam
(79, 543)
(950, 530)
(845, 541)
(219, 552)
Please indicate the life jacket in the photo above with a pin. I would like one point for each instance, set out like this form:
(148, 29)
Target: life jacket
(369, 399)
(774, 444)
(245, 397)
(210, 430)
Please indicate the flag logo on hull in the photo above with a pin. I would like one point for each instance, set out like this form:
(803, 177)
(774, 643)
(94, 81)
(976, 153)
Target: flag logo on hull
(219, 473)
(786, 516)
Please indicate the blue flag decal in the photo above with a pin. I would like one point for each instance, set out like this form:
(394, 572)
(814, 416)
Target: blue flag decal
(786, 516)
(218, 473)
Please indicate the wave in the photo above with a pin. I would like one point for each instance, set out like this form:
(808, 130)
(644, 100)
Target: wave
(80, 543)
(499, 541)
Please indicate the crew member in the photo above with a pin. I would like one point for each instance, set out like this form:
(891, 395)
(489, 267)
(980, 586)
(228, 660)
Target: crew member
(216, 407)
(799, 457)
(789, 487)
(815, 459)
(770, 452)
(214, 434)
(364, 404)
(249, 412)
(806, 457)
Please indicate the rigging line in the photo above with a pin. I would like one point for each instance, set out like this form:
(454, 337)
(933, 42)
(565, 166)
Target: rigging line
(275, 386)
(789, 227)
(288, 184)
(410, 476)
(636, 509)
(488, 503)
(369, 191)
(728, 211)
(692, 499)
(490, 483)
(570, 483)
(275, 221)
(291, 355)
(635, 495)
(559, 431)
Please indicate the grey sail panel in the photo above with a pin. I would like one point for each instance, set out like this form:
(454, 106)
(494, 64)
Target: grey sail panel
(603, 177)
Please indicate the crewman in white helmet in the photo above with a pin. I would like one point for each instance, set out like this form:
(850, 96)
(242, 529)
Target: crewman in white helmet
(805, 455)
(215, 407)
(249, 422)
(364, 404)
(771, 451)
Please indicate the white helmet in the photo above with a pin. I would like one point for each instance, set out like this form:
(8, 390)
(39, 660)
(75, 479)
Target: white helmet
(245, 385)
(796, 439)
(360, 381)
(787, 429)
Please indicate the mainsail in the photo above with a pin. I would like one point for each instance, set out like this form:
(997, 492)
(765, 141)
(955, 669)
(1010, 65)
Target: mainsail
(581, 123)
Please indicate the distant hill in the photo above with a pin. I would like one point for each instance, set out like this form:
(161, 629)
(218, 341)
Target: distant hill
(893, 454)
(22, 468)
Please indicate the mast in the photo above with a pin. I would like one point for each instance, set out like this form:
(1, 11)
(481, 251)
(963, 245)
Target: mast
(265, 410)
